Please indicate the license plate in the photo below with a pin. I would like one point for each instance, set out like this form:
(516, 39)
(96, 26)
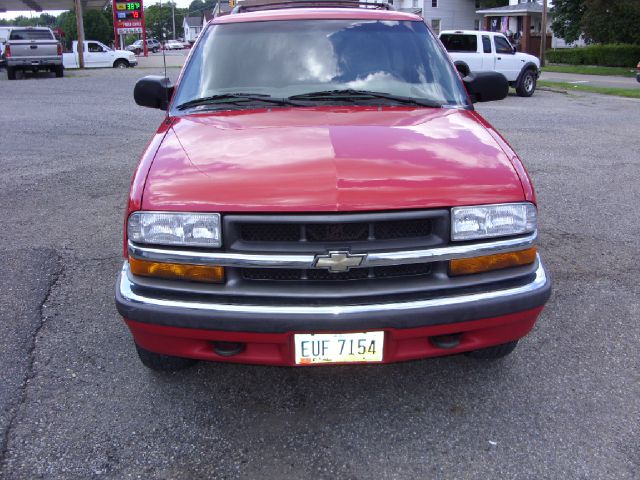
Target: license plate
(316, 348)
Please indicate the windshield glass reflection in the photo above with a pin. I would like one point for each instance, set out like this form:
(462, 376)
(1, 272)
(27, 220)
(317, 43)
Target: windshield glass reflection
(286, 58)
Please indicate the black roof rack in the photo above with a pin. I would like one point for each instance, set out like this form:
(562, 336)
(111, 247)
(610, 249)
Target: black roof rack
(311, 4)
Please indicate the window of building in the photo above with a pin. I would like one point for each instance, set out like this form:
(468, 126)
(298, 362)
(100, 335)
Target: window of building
(476, 24)
(414, 3)
(435, 25)
(434, 4)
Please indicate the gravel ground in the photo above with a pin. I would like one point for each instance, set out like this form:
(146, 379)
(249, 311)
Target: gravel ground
(76, 403)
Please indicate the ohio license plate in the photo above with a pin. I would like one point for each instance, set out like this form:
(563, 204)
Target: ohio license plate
(338, 347)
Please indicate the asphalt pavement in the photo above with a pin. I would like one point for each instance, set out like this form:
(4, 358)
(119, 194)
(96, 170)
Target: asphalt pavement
(606, 81)
(172, 58)
(76, 403)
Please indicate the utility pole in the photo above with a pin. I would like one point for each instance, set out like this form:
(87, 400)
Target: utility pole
(80, 28)
(543, 33)
(173, 16)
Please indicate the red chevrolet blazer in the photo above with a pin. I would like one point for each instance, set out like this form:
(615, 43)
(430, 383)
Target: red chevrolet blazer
(322, 191)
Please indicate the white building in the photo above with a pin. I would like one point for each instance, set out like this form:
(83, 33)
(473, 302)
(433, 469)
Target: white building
(192, 27)
(444, 14)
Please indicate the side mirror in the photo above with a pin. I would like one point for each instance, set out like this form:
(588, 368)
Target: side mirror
(486, 86)
(515, 50)
(153, 91)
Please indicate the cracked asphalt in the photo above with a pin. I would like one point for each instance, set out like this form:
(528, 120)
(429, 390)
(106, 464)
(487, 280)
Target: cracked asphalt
(76, 403)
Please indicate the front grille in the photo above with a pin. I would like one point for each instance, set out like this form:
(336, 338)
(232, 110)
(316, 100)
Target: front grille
(292, 274)
(318, 234)
(336, 232)
(269, 232)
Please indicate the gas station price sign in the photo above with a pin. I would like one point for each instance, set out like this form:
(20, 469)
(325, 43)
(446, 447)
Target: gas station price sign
(128, 10)
(128, 16)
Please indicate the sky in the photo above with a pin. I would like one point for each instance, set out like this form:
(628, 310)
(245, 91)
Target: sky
(26, 13)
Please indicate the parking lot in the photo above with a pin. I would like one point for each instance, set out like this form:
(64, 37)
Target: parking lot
(76, 403)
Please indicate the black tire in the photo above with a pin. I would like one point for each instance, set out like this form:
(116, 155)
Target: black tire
(11, 73)
(492, 353)
(59, 71)
(120, 63)
(527, 84)
(137, 51)
(154, 50)
(163, 363)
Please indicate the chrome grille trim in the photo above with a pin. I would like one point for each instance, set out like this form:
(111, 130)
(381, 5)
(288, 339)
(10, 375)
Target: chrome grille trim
(306, 261)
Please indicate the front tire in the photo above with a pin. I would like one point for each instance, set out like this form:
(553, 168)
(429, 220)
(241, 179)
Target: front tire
(163, 363)
(527, 84)
(492, 353)
(120, 64)
(11, 73)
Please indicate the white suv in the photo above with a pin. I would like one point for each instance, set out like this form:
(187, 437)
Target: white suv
(473, 51)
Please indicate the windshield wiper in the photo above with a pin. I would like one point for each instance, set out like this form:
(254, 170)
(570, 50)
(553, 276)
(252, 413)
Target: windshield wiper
(353, 95)
(234, 98)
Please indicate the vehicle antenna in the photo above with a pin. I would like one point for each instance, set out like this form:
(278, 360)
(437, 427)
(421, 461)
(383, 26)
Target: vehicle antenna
(164, 61)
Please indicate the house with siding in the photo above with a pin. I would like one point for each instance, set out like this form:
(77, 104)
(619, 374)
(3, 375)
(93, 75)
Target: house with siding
(192, 27)
(445, 14)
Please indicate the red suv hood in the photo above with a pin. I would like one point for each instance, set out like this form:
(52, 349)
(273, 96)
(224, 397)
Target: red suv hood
(329, 159)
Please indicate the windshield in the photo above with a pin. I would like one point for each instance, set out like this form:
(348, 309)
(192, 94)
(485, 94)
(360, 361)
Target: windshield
(31, 35)
(297, 57)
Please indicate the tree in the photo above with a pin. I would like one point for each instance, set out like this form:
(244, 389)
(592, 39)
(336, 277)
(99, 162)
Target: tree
(611, 21)
(42, 20)
(601, 21)
(158, 21)
(67, 23)
(96, 27)
(567, 19)
(198, 7)
(108, 15)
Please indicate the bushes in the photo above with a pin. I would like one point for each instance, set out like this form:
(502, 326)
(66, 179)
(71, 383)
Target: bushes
(619, 55)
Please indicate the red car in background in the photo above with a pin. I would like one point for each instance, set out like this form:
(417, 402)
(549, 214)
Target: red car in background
(322, 191)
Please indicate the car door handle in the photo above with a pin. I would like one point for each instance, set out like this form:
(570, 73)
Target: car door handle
(33, 47)
(499, 58)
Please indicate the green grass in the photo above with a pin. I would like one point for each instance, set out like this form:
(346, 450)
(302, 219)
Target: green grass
(590, 70)
(620, 92)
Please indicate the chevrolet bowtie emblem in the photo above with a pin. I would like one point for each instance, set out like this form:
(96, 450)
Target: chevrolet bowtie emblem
(339, 261)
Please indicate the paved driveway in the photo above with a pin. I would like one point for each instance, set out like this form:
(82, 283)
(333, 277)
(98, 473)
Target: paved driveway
(76, 403)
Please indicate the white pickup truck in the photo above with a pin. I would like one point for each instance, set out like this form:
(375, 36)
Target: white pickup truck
(98, 55)
(474, 51)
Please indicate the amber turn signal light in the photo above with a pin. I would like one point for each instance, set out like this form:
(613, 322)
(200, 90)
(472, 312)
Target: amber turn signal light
(467, 266)
(177, 271)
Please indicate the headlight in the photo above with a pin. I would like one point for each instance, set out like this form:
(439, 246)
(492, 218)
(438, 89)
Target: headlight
(486, 221)
(175, 229)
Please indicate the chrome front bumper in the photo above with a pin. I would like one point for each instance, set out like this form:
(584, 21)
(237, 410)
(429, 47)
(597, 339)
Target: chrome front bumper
(204, 312)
